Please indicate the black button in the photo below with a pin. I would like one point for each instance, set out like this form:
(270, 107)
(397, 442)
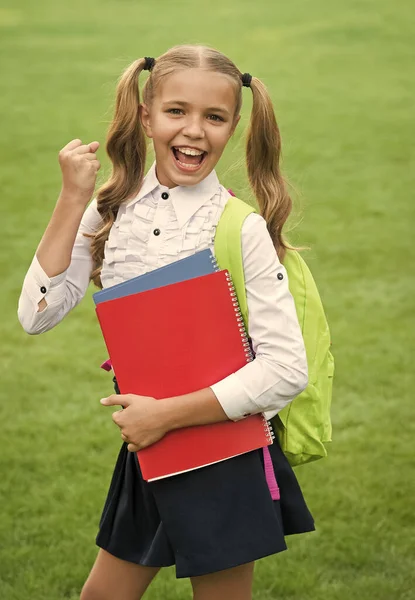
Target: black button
(165, 195)
(156, 232)
(280, 276)
(43, 289)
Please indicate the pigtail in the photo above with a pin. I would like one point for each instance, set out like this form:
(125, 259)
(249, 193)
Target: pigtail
(263, 149)
(126, 148)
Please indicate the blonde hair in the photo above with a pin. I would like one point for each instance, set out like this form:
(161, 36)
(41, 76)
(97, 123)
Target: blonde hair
(126, 144)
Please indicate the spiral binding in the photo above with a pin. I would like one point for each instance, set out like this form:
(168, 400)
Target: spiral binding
(269, 433)
(239, 320)
(214, 263)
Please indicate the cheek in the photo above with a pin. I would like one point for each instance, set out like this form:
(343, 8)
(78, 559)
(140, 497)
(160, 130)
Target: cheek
(219, 139)
(163, 131)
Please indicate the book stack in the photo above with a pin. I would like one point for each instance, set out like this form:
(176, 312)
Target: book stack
(171, 332)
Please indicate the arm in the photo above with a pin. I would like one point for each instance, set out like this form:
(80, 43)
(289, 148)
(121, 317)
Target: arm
(279, 371)
(59, 274)
(45, 300)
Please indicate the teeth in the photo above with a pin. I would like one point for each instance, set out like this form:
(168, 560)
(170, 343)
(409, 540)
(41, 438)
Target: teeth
(188, 167)
(190, 151)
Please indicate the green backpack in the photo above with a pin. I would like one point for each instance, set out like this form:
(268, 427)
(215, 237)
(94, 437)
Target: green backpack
(304, 425)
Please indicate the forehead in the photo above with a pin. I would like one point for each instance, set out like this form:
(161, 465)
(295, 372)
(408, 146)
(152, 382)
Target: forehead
(198, 87)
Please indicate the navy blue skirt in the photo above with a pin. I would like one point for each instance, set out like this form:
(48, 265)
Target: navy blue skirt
(203, 521)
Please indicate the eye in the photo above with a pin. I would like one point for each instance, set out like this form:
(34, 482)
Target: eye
(216, 118)
(174, 111)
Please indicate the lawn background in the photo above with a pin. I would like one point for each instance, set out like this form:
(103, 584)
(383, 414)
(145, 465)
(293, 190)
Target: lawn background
(339, 74)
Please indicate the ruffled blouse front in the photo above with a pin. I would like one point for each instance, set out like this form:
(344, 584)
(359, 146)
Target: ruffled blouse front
(161, 226)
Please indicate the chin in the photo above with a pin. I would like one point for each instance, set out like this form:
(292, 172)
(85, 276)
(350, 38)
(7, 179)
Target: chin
(188, 179)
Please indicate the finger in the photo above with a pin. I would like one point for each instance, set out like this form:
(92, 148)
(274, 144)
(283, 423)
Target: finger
(116, 416)
(82, 149)
(90, 156)
(132, 448)
(116, 400)
(94, 146)
(72, 145)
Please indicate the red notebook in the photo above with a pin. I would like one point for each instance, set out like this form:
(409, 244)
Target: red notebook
(175, 340)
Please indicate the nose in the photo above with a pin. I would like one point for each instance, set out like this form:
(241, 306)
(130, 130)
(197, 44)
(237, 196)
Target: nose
(193, 127)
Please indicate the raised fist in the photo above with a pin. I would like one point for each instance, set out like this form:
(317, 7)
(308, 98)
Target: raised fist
(79, 165)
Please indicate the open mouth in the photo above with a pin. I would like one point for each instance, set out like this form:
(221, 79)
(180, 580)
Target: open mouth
(189, 161)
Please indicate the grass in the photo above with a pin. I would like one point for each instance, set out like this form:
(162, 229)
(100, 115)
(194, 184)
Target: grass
(339, 76)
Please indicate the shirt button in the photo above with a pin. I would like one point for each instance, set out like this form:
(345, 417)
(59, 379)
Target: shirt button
(43, 289)
(280, 276)
(165, 195)
(157, 232)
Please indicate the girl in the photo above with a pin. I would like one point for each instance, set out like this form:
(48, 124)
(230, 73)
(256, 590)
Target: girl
(212, 523)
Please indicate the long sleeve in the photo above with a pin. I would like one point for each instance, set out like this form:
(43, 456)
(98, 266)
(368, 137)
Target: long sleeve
(279, 372)
(62, 292)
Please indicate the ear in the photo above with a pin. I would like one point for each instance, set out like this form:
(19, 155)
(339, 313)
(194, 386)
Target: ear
(145, 120)
(235, 123)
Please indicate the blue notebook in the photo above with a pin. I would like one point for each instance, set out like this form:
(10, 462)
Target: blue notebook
(201, 263)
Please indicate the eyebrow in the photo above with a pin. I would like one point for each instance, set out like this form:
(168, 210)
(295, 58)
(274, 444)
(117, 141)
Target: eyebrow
(219, 109)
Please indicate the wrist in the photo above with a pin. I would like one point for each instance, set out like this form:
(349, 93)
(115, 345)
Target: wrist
(74, 197)
(168, 410)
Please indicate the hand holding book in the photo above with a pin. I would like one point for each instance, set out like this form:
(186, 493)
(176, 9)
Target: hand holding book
(145, 420)
(141, 422)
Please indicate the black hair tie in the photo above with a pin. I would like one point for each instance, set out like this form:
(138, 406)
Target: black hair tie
(149, 64)
(246, 79)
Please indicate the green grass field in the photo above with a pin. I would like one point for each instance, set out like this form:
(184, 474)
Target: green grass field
(339, 76)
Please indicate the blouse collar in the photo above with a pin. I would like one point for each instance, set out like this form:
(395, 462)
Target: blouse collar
(186, 200)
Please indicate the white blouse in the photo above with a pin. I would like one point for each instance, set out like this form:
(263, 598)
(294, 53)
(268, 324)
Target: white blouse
(162, 225)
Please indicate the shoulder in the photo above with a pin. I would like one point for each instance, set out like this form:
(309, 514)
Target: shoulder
(254, 222)
(254, 229)
(255, 238)
(256, 242)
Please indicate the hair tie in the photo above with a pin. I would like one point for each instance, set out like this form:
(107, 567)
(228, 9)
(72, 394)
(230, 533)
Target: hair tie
(149, 64)
(246, 79)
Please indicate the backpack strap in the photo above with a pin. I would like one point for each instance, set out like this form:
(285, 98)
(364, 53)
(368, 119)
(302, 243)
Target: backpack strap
(228, 252)
(228, 247)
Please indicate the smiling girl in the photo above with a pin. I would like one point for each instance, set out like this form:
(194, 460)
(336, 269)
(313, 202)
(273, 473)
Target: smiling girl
(212, 523)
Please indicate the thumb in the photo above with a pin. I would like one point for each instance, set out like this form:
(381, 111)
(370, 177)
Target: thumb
(114, 400)
(93, 146)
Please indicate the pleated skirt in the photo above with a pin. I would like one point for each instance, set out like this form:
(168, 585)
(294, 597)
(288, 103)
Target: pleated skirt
(202, 521)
